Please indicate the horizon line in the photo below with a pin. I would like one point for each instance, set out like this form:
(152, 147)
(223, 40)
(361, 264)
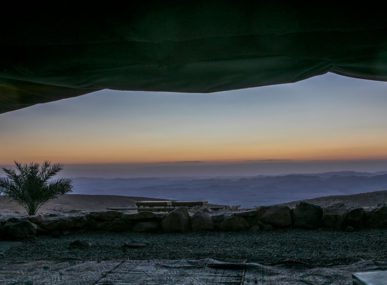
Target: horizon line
(206, 161)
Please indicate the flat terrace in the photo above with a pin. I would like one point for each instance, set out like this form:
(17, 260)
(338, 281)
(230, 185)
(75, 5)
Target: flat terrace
(272, 257)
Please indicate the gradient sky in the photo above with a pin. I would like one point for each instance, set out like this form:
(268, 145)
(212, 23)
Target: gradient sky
(323, 118)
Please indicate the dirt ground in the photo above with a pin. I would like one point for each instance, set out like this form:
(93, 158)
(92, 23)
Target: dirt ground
(276, 257)
(310, 248)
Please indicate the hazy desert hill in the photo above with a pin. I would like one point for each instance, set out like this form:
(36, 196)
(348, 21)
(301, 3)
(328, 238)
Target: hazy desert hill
(71, 202)
(244, 191)
(370, 199)
(247, 192)
(74, 202)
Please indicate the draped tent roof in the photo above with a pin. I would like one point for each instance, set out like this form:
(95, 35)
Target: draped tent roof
(184, 46)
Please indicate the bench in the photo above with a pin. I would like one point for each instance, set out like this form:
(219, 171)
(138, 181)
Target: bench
(167, 206)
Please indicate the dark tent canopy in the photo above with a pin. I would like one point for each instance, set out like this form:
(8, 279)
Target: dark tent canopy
(186, 46)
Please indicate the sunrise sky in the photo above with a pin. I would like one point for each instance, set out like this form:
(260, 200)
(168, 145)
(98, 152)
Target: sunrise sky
(324, 118)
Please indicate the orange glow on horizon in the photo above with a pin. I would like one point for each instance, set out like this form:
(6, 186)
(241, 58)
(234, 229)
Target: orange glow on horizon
(152, 153)
(322, 118)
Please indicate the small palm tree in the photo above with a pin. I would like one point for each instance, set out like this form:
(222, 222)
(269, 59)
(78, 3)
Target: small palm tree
(31, 186)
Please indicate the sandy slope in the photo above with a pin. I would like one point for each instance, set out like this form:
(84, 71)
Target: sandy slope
(72, 202)
(68, 203)
(370, 199)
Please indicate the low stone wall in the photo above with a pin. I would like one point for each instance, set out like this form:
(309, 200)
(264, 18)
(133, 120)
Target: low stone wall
(304, 215)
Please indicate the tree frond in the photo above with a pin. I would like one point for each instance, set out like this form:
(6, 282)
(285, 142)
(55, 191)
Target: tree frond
(47, 170)
(30, 186)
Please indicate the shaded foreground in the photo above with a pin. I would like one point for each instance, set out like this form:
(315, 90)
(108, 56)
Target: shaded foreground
(304, 244)
(274, 257)
(172, 272)
(294, 247)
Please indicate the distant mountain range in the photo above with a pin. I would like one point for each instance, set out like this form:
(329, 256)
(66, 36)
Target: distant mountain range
(243, 191)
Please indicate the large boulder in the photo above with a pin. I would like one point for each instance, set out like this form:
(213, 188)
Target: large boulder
(234, 223)
(105, 216)
(307, 216)
(146, 227)
(177, 221)
(251, 216)
(218, 218)
(354, 218)
(117, 225)
(333, 216)
(80, 244)
(276, 216)
(109, 221)
(2, 234)
(202, 221)
(37, 219)
(18, 230)
(141, 216)
(377, 218)
(61, 224)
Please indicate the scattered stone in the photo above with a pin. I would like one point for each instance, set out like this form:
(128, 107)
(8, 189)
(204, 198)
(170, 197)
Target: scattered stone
(276, 216)
(234, 223)
(128, 245)
(140, 216)
(217, 219)
(246, 214)
(177, 221)
(307, 216)
(251, 216)
(76, 222)
(56, 234)
(37, 219)
(80, 244)
(146, 227)
(14, 220)
(355, 218)
(265, 227)
(51, 225)
(212, 263)
(202, 221)
(18, 230)
(109, 221)
(255, 228)
(104, 216)
(377, 218)
(117, 225)
(333, 216)
(62, 224)
(349, 229)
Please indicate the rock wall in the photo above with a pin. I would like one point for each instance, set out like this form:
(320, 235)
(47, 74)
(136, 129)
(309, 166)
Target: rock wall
(304, 215)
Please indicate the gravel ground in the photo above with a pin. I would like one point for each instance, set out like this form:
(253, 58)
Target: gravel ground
(307, 248)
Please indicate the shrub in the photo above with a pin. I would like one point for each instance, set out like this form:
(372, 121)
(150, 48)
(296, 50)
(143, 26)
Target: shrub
(31, 185)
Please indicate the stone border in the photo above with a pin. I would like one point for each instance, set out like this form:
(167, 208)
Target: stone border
(304, 215)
